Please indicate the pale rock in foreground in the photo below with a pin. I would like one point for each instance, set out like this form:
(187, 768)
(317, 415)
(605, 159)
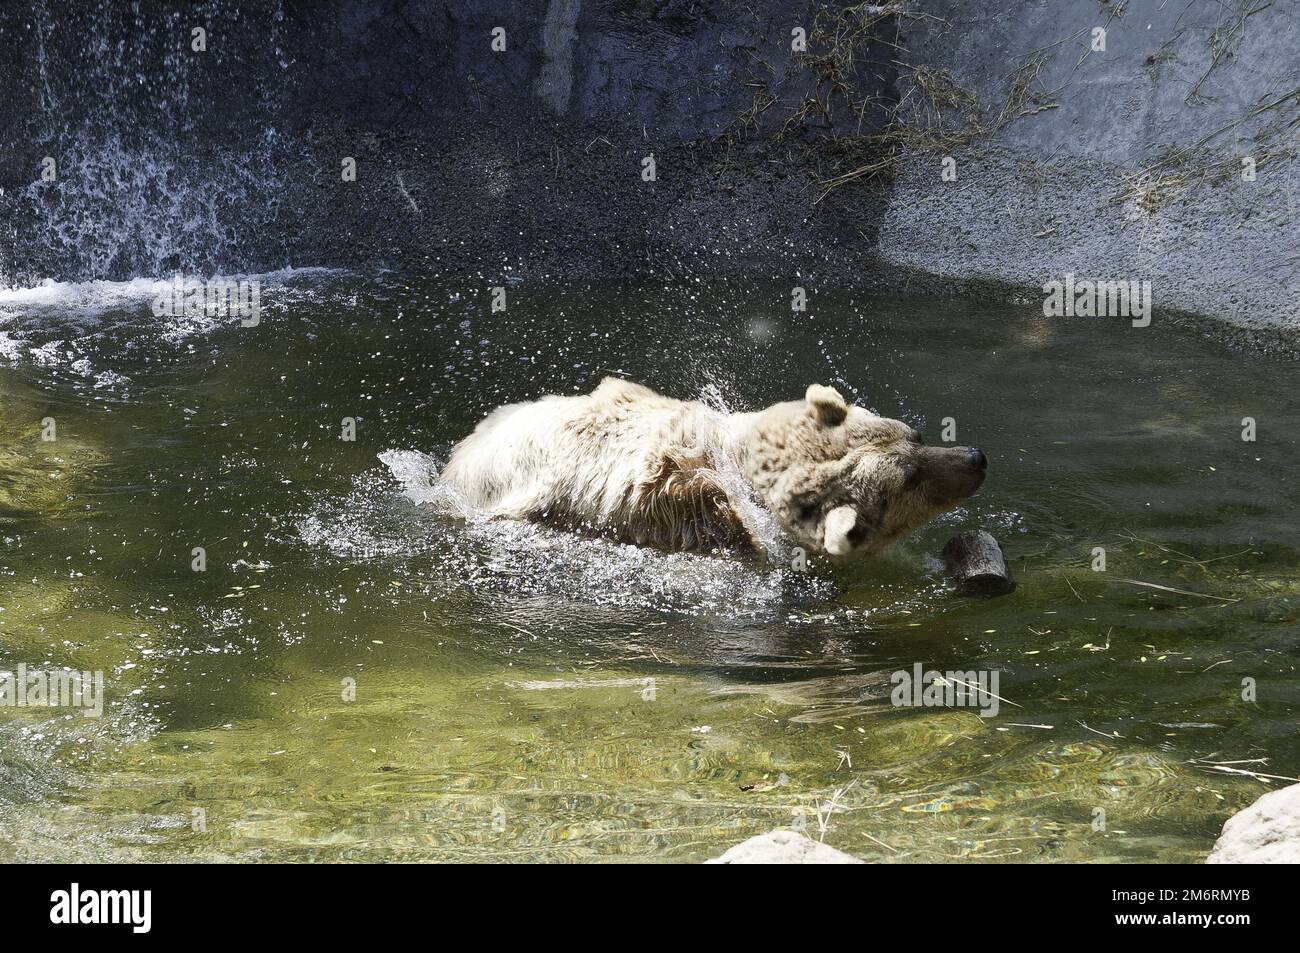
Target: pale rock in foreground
(1267, 832)
(783, 847)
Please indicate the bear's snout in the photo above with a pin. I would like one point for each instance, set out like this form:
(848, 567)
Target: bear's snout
(950, 474)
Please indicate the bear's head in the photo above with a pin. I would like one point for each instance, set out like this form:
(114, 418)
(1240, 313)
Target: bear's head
(844, 481)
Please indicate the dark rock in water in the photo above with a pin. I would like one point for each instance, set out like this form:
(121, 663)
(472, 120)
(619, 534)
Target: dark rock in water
(977, 566)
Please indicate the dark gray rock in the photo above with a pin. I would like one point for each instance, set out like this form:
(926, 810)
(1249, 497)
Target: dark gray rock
(976, 565)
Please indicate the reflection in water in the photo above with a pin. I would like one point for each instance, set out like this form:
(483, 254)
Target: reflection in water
(364, 671)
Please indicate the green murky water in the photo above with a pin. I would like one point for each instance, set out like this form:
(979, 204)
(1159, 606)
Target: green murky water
(524, 695)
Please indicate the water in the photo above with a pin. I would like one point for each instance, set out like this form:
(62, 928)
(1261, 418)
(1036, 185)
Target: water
(524, 695)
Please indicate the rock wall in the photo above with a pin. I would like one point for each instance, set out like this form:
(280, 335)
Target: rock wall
(477, 152)
(530, 159)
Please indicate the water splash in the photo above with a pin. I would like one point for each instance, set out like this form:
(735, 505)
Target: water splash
(439, 534)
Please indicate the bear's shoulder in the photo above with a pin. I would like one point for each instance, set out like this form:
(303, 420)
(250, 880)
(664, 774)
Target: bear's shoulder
(617, 389)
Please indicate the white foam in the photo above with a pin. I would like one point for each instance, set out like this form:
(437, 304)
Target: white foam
(10, 348)
(90, 299)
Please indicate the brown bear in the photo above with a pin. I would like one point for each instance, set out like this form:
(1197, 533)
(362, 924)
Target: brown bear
(631, 464)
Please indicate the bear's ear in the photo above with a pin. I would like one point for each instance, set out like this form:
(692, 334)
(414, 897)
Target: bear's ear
(827, 405)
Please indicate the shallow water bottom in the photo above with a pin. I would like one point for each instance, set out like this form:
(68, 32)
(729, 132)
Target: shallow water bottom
(357, 676)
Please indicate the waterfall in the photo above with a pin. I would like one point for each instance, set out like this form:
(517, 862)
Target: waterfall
(145, 148)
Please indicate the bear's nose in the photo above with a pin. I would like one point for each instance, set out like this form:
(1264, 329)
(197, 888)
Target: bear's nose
(978, 460)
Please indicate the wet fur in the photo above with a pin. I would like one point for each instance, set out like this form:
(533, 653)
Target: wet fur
(627, 463)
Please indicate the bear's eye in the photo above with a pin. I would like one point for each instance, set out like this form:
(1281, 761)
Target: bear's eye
(911, 475)
(807, 513)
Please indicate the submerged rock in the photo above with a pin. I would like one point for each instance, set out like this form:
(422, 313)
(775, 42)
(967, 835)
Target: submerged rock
(1267, 832)
(42, 478)
(783, 847)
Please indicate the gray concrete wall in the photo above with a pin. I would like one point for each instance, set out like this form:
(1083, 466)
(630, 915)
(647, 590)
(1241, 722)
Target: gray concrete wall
(1089, 186)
